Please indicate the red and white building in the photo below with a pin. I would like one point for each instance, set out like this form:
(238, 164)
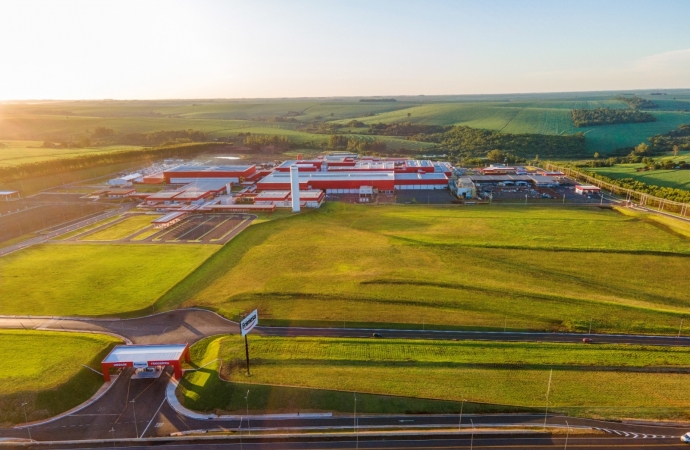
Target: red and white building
(587, 190)
(226, 174)
(143, 356)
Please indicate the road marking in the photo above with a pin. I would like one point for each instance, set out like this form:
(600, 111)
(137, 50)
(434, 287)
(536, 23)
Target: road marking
(154, 416)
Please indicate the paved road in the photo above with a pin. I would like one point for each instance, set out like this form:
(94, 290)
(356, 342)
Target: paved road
(438, 442)
(137, 408)
(179, 326)
(191, 325)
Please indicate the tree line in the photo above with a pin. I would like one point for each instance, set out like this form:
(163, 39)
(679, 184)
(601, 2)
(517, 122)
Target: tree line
(463, 141)
(609, 116)
(338, 141)
(102, 136)
(53, 166)
(673, 194)
(636, 102)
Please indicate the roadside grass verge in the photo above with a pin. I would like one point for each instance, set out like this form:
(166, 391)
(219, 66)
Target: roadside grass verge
(93, 280)
(556, 269)
(123, 229)
(44, 369)
(83, 230)
(613, 381)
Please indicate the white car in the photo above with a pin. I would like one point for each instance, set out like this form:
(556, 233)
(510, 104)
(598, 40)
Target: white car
(685, 438)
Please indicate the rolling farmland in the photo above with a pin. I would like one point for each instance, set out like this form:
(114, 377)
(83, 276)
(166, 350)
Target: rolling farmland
(469, 268)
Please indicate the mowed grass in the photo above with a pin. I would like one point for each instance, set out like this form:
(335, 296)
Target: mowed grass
(679, 179)
(602, 380)
(44, 369)
(123, 229)
(524, 268)
(93, 280)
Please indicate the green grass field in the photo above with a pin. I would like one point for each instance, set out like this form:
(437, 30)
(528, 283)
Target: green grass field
(23, 152)
(524, 268)
(81, 230)
(123, 229)
(679, 179)
(599, 380)
(547, 114)
(44, 369)
(93, 279)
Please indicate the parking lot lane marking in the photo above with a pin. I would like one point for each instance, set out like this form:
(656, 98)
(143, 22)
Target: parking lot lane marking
(152, 418)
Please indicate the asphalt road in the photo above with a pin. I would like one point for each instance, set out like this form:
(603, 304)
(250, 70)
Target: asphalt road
(191, 325)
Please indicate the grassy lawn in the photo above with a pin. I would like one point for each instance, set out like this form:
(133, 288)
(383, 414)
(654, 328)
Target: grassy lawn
(668, 178)
(44, 369)
(123, 229)
(93, 280)
(601, 380)
(100, 223)
(524, 268)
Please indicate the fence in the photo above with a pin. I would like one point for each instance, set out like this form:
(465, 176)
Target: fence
(650, 201)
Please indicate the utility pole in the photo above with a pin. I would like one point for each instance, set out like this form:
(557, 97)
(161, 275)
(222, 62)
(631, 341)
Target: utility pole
(472, 438)
(590, 326)
(681, 327)
(246, 398)
(26, 418)
(548, 390)
(566, 436)
(460, 421)
(355, 422)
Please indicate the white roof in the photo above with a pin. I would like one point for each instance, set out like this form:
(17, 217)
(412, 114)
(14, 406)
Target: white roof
(145, 353)
(284, 177)
(587, 187)
(8, 192)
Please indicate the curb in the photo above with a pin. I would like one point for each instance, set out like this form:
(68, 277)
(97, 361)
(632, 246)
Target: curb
(177, 406)
(94, 398)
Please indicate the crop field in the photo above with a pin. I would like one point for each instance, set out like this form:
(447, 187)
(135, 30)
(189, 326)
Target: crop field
(23, 152)
(669, 178)
(524, 268)
(44, 369)
(93, 279)
(601, 380)
(123, 229)
(547, 114)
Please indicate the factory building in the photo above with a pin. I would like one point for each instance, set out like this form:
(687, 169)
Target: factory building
(587, 190)
(126, 180)
(227, 174)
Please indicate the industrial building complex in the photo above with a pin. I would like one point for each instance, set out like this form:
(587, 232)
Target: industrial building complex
(195, 188)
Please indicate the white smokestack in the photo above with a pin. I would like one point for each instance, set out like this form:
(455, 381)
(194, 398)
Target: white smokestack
(294, 185)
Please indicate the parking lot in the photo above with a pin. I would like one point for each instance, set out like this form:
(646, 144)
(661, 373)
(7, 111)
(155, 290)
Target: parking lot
(206, 228)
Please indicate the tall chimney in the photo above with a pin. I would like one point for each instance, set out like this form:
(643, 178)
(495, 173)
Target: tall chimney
(294, 185)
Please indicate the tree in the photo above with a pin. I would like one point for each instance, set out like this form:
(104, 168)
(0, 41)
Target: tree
(409, 114)
(642, 149)
(676, 149)
(596, 155)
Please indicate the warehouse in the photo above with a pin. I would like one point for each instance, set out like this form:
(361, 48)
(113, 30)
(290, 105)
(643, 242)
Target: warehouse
(404, 181)
(226, 174)
(330, 182)
(126, 180)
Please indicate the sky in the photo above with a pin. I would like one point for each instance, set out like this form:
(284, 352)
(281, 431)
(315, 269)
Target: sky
(122, 49)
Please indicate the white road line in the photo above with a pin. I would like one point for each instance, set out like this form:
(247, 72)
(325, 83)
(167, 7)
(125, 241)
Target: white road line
(154, 416)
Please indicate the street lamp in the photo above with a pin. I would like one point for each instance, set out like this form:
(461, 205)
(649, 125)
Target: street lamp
(566, 436)
(461, 406)
(26, 418)
(355, 422)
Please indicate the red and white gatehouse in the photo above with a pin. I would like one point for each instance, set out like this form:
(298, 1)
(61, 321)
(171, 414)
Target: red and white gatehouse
(142, 356)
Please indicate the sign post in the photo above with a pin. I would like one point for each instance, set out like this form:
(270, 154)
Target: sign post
(246, 325)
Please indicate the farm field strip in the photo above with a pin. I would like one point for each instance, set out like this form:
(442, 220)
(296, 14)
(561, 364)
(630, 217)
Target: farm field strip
(122, 229)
